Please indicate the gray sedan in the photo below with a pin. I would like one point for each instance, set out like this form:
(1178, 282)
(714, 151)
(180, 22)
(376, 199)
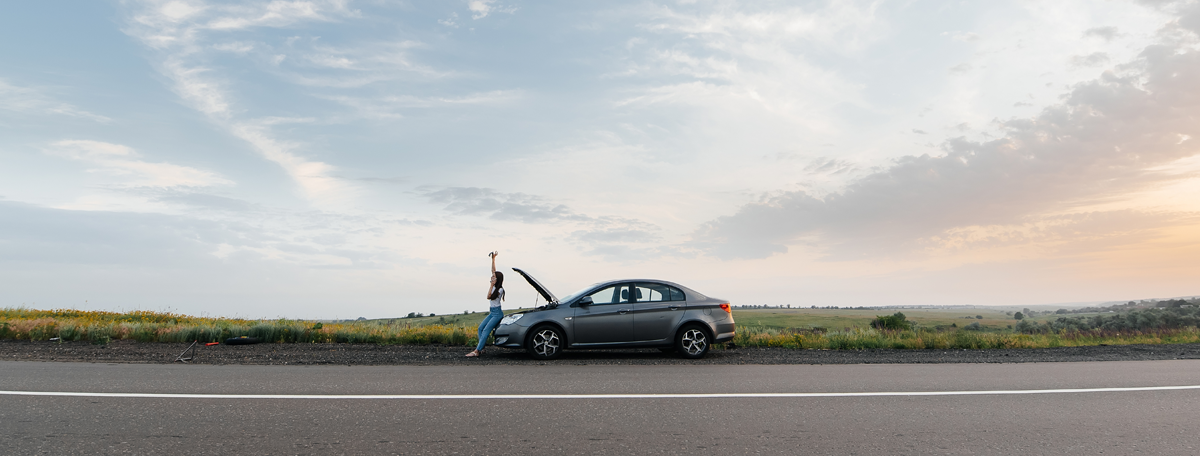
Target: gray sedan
(619, 314)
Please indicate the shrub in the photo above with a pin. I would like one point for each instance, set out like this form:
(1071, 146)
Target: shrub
(1027, 327)
(974, 326)
(895, 321)
(1019, 316)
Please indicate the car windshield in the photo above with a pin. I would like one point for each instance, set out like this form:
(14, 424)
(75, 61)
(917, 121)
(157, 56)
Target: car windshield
(572, 296)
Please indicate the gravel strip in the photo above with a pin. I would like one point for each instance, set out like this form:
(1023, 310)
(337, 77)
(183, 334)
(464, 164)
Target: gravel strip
(375, 355)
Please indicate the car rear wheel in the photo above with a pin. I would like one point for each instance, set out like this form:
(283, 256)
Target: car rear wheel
(546, 342)
(692, 342)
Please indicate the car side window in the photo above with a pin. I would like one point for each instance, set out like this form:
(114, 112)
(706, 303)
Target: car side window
(652, 292)
(604, 295)
(626, 293)
(676, 294)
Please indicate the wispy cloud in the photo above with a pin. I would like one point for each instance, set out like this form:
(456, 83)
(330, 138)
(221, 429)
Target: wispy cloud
(607, 236)
(30, 101)
(482, 8)
(499, 205)
(124, 164)
(179, 29)
(392, 107)
(714, 59)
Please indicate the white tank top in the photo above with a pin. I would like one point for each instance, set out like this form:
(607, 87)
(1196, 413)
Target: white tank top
(499, 296)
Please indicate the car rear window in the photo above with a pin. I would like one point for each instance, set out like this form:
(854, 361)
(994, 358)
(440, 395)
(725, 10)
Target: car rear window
(654, 292)
(677, 294)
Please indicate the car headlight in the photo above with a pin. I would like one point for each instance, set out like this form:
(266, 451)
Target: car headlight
(511, 319)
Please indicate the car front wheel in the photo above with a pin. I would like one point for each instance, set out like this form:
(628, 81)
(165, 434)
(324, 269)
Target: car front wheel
(546, 342)
(692, 342)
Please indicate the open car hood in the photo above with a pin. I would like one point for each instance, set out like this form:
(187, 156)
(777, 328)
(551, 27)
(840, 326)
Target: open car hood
(550, 298)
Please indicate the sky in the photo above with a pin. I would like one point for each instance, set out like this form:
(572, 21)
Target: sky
(339, 158)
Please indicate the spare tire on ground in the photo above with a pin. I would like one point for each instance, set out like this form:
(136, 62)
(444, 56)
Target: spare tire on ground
(244, 340)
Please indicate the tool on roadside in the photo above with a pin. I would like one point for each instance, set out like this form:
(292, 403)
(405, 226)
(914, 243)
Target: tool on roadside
(190, 353)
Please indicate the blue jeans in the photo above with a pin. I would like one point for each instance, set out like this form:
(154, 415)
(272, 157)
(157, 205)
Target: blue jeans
(488, 324)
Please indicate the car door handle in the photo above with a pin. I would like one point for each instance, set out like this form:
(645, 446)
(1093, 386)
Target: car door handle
(623, 311)
(674, 307)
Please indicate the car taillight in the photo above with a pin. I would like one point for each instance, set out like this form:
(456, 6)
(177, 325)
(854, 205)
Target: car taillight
(726, 308)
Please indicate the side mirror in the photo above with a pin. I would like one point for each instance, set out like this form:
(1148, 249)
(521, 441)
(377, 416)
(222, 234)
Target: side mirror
(584, 301)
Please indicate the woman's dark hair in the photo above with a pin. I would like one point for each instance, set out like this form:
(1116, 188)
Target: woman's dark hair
(498, 286)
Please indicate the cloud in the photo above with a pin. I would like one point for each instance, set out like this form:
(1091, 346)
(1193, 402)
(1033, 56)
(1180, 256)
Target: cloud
(28, 101)
(123, 162)
(1104, 140)
(277, 13)
(206, 201)
(177, 30)
(612, 238)
(1090, 60)
(34, 235)
(1107, 33)
(390, 107)
(236, 47)
(500, 206)
(482, 8)
(714, 60)
(381, 180)
(961, 68)
(830, 166)
(41, 235)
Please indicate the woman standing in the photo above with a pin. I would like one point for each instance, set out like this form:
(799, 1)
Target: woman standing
(494, 296)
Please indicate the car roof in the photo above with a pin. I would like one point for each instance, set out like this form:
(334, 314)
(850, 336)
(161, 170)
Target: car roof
(665, 282)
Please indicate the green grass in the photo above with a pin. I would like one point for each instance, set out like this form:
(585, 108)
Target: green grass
(787, 328)
(100, 327)
(866, 338)
(841, 319)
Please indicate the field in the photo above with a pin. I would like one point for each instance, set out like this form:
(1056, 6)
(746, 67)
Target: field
(789, 328)
(834, 319)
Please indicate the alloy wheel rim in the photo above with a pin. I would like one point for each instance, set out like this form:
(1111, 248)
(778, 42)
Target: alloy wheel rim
(694, 341)
(545, 342)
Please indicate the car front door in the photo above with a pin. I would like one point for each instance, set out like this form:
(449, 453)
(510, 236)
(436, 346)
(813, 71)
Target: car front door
(608, 319)
(657, 310)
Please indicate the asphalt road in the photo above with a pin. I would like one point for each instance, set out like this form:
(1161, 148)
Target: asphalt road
(1111, 422)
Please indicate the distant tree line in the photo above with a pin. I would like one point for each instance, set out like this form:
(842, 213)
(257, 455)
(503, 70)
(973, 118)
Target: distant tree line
(1172, 315)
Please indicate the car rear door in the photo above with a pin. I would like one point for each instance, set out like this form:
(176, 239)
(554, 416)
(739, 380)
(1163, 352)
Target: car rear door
(609, 319)
(657, 310)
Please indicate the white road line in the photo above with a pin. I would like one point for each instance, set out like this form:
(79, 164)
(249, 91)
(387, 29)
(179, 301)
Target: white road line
(590, 396)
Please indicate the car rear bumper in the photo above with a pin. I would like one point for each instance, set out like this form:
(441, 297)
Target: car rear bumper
(725, 332)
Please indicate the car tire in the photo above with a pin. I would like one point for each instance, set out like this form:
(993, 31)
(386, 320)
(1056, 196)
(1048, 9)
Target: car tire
(545, 342)
(692, 342)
